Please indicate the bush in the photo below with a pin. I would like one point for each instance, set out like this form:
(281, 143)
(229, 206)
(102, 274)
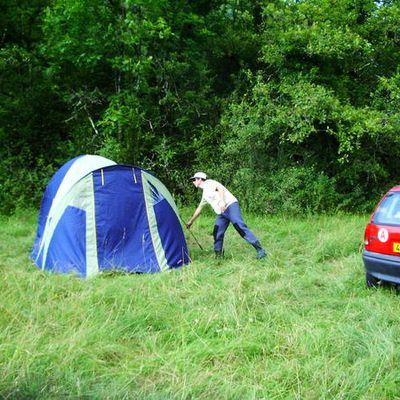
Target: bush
(293, 190)
(21, 186)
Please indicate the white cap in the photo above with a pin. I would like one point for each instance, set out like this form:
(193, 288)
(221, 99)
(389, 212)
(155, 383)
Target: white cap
(200, 175)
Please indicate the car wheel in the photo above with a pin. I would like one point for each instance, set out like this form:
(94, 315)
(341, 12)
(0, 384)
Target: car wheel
(370, 280)
(397, 289)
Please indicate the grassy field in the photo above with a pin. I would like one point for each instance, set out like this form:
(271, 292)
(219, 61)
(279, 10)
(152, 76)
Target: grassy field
(299, 325)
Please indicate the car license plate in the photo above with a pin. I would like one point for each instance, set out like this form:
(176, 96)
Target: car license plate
(396, 247)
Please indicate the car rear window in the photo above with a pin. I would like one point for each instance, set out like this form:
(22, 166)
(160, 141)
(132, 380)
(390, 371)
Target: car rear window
(388, 212)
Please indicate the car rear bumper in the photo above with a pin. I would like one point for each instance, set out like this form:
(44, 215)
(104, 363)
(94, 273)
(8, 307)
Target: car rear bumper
(382, 266)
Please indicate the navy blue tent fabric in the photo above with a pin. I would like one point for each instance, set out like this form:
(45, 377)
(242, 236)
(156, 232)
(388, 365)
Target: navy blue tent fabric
(68, 244)
(123, 237)
(49, 195)
(97, 216)
(171, 235)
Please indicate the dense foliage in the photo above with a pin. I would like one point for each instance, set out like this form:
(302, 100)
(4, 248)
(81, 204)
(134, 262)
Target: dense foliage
(294, 104)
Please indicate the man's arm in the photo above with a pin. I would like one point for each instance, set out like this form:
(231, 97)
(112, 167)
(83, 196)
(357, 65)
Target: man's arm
(194, 216)
(220, 190)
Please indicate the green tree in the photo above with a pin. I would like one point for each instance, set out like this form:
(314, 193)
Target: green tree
(28, 108)
(313, 106)
(144, 80)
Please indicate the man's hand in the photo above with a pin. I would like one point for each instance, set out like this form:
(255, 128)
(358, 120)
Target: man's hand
(221, 202)
(222, 206)
(193, 218)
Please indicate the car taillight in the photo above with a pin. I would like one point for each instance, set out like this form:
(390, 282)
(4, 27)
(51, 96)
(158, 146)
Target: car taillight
(367, 234)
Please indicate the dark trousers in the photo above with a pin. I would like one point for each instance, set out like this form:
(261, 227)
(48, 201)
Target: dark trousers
(231, 215)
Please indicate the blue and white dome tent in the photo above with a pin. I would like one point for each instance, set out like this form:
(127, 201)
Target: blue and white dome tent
(97, 215)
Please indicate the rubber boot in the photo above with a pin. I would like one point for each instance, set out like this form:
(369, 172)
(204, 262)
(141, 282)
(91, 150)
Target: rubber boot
(219, 254)
(261, 253)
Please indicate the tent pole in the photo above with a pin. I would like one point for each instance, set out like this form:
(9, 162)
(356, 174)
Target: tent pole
(194, 237)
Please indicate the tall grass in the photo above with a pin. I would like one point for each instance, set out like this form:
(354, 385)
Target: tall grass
(298, 325)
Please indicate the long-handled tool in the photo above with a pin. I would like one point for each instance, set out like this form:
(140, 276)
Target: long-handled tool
(194, 237)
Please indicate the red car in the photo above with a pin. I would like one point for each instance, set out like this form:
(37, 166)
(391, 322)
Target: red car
(381, 253)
